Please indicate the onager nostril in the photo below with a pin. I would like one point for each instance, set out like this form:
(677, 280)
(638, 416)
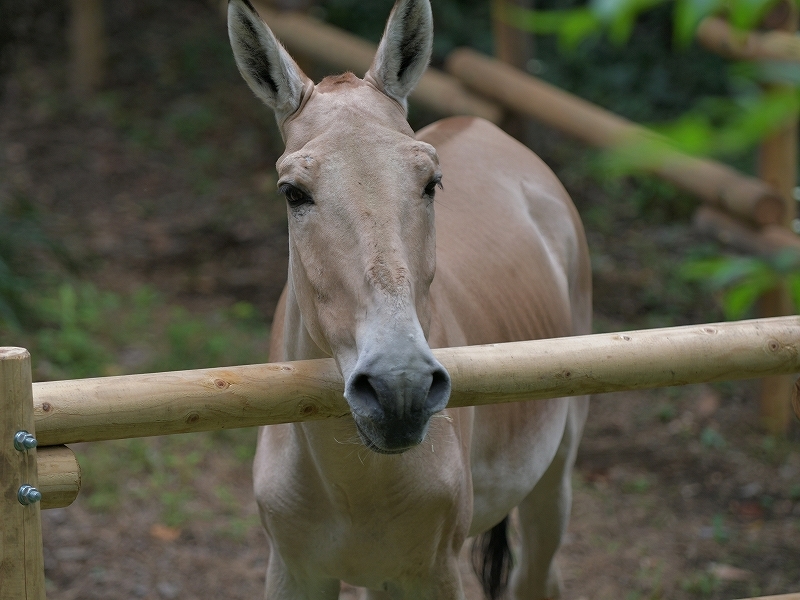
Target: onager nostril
(439, 392)
(363, 390)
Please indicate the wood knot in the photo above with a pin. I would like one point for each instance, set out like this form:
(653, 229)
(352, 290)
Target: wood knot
(221, 384)
(192, 418)
(46, 407)
(309, 410)
(625, 338)
(709, 330)
(773, 345)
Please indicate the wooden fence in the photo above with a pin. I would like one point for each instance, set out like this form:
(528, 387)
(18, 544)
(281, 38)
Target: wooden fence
(44, 473)
(59, 413)
(754, 214)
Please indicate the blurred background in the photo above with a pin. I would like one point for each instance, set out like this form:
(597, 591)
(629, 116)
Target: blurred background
(140, 230)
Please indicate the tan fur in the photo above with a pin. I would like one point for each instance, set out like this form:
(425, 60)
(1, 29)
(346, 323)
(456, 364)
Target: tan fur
(511, 264)
(373, 274)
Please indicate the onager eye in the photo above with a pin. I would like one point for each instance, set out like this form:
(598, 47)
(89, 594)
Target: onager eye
(430, 189)
(294, 195)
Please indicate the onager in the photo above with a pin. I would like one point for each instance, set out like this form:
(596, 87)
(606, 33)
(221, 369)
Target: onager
(385, 498)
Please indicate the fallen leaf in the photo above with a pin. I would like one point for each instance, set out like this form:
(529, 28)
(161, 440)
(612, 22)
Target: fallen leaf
(708, 403)
(164, 533)
(729, 572)
(750, 510)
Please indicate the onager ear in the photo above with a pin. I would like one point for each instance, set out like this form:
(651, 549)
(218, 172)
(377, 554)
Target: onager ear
(405, 49)
(265, 65)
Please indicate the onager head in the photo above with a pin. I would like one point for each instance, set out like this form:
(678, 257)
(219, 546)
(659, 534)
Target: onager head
(360, 194)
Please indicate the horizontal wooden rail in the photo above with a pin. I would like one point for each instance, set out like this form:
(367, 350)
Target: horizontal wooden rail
(738, 234)
(717, 35)
(312, 38)
(711, 181)
(183, 401)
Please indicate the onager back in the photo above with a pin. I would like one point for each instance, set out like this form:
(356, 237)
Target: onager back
(385, 498)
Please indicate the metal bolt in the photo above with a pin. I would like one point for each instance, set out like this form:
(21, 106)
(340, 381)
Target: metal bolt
(28, 495)
(24, 441)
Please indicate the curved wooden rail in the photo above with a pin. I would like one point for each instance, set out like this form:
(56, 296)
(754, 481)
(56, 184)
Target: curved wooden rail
(184, 401)
(715, 183)
(717, 35)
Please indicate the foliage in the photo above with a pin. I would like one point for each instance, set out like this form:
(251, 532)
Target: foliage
(729, 123)
(77, 330)
(12, 282)
(743, 280)
(618, 17)
(716, 126)
(164, 469)
(701, 584)
(22, 240)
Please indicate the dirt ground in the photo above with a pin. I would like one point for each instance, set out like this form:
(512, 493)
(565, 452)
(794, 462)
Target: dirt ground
(662, 509)
(678, 494)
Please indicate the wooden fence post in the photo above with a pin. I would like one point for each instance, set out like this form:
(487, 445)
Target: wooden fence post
(515, 47)
(21, 559)
(87, 46)
(777, 162)
(512, 45)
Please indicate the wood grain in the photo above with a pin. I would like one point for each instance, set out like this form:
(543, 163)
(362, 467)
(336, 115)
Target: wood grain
(59, 476)
(21, 557)
(183, 401)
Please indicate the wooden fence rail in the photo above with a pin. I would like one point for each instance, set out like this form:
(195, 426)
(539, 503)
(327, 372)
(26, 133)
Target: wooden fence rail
(718, 35)
(498, 84)
(713, 182)
(178, 402)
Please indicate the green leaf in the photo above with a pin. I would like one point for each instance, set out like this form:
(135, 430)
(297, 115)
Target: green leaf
(786, 262)
(746, 14)
(621, 15)
(756, 120)
(572, 26)
(608, 10)
(578, 25)
(701, 269)
(736, 302)
(687, 16)
(691, 134)
(724, 271)
(775, 71)
(738, 269)
(739, 299)
(794, 289)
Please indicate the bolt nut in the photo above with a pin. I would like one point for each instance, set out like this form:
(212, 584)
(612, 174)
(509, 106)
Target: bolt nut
(28, 495)
(24, 441)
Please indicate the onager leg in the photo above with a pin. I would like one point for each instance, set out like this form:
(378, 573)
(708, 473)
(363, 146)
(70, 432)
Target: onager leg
(544, 515)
